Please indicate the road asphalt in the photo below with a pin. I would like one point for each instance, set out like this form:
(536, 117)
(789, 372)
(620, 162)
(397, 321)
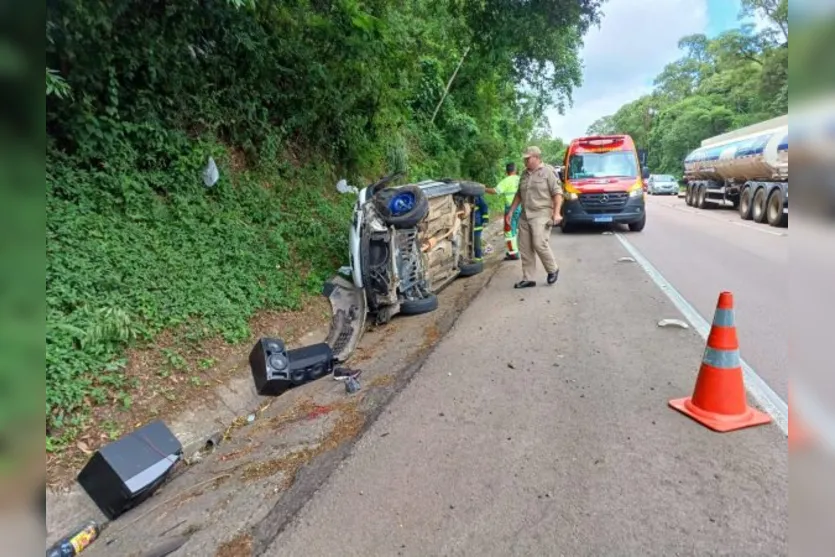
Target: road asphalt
(702, 252)
(540, 425)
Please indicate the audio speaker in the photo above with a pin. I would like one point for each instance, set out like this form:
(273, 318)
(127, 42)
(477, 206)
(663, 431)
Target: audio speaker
(270, 367)
(275, 369)
(122, 474)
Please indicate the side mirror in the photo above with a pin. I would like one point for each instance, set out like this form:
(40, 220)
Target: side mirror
(560, 176)
(645, 173)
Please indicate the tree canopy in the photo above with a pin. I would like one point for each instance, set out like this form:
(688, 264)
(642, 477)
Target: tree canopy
(736, 79)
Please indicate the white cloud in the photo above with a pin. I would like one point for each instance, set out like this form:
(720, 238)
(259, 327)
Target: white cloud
(621, 58)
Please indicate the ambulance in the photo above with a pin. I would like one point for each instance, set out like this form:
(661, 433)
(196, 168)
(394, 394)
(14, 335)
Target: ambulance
(603, 183)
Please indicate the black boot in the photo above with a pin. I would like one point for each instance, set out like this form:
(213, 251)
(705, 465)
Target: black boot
(552, 277)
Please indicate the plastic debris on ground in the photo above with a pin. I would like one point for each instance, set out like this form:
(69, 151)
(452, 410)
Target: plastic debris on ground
(343, 187)
(343, 373)
(626, 260)
(211, 174)
(77, 542)
(673, 323)
(352, 385)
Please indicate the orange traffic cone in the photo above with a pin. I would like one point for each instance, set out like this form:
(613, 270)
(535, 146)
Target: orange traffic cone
(718, 400)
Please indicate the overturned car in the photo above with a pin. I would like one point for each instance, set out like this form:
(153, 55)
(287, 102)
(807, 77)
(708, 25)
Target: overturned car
(406, 244)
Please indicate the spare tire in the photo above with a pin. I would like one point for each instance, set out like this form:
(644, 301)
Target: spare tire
(472, 189)
(402, 207)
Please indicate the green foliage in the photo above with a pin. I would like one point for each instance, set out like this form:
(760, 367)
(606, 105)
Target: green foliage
(286, 97)
(736, 79)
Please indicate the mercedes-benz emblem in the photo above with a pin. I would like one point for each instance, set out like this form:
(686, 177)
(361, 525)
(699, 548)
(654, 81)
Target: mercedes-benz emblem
(604, 198)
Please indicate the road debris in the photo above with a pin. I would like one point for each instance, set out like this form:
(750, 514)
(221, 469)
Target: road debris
(352, 385)
(607, 233)
(75, 543)
(626, 260)
(673, 323)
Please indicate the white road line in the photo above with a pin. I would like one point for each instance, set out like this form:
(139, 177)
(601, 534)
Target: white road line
(729, 221)
(768, 400)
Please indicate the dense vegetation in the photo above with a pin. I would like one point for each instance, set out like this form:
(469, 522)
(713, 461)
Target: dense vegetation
(286, 97)
(736, 79)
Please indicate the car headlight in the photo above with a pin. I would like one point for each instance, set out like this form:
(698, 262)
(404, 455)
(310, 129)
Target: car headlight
(570, 196)
(636, 193)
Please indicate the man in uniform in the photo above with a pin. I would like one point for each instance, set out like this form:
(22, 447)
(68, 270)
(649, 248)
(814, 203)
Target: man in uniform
(540, 196)
(507, 188)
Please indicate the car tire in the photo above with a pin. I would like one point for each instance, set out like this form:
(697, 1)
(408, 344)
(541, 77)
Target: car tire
(472, 189)
(638, 226)
(419, 306)
(745, 204)
(758, 206)
(471, 269)
(566, 227)
(774, 209)
(402, 207)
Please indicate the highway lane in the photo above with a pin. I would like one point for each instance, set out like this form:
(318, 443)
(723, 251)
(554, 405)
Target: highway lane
(702, 252)
(540, 426)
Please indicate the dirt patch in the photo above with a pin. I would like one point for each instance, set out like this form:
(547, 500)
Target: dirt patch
(239, 546)
(348, 425)
(382, 381)
(165, 378)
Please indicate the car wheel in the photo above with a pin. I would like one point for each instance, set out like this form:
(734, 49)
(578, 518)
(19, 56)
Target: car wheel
(419, 306)
(472, 189)
(758, 208)
(471, 269)
(402, 207)
(566, 227)
(774, 212)
(745, 199)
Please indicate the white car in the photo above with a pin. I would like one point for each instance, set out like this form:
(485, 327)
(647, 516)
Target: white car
(406, 243)
(662, 184)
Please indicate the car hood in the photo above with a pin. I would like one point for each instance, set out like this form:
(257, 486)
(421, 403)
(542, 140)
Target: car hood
(602, 185)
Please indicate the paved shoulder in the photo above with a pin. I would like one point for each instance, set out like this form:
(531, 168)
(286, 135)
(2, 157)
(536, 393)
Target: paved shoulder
(540, 426)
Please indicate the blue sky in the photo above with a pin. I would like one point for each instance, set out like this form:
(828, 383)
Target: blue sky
(612, 81)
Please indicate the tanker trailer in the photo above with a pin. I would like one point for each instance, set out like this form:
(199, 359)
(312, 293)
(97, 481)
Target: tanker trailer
(747, 168)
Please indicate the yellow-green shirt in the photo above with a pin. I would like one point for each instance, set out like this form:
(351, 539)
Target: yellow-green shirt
(507, 188)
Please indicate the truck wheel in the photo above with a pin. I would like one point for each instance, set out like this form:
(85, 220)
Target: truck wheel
(701, 197)
(745, 202)
(419, 306)
(471, 269)
(774, 211)
(638, 226)
(758, 206)
(688, 196)
(402, 207)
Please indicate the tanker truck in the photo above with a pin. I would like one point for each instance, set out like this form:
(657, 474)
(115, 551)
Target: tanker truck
(747, 168)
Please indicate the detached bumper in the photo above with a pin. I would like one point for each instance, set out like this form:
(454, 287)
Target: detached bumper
(604, 209)
(348, 312)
